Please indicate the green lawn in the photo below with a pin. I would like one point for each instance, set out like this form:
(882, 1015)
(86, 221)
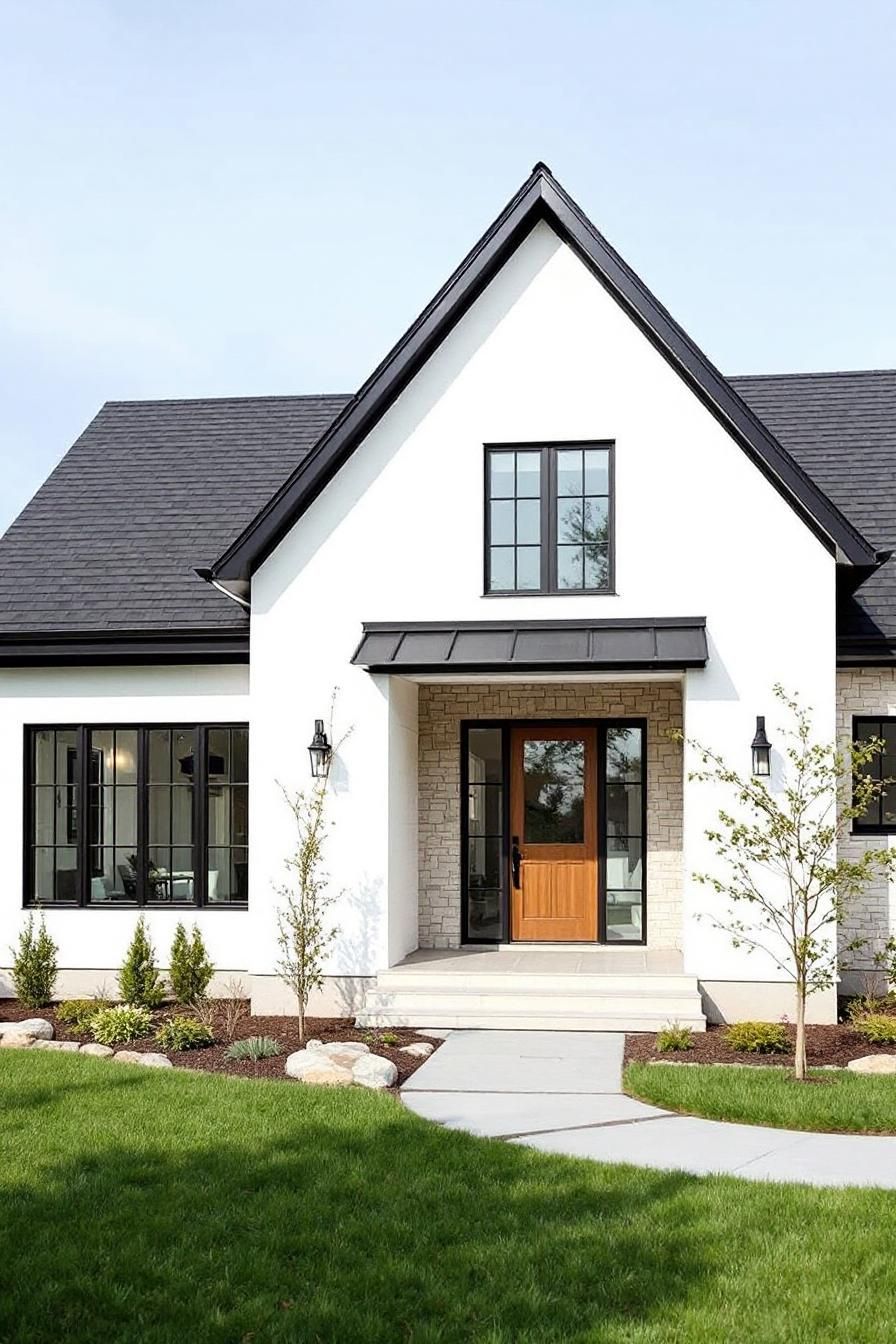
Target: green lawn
(849, 1102)
(144, 1206)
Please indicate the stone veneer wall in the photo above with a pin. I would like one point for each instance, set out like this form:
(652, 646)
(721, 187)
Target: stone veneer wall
(442, 707)
(866, 690)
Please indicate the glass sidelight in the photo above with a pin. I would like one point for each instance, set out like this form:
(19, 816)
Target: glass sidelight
(485, 834)
(623, 839)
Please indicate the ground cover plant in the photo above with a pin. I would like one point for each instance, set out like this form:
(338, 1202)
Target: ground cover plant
(191, 1207)
(837, 1101)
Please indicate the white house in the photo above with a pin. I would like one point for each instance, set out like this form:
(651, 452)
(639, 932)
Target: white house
(542, 534)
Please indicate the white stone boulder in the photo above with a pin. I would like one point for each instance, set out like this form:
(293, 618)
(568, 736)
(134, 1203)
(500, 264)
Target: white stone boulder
(873, 1064)
(70, 1047)
(94, 1048)
(32, 1026)
(314, 1066)
(16, 1041)
(374, 1071)
(418, 1049)
(149, 1059)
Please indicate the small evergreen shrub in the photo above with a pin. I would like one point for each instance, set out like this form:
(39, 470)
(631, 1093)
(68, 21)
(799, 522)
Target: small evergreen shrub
(191, 971)
(183, 1033)
(125, 1022)
(254, 1048)
(675, 1037)
(760, 1038)
(34, 965)
(876, 1028)
(79, 1013)
(139, 979)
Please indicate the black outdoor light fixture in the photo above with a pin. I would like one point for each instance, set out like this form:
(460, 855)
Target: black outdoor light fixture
(320, 751)
(761, 748)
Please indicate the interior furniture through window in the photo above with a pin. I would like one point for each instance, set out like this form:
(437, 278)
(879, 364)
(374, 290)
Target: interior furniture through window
(167, 810)
(549, 518)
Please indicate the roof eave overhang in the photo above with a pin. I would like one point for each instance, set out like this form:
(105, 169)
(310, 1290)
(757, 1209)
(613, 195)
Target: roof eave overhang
(540, 198)
(123, 648)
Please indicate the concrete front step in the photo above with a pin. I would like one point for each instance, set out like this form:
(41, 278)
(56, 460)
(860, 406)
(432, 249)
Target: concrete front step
(553, 1002)
(534, 1020)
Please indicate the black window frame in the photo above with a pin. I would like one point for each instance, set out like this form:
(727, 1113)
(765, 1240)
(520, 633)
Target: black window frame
(84, 847)
(859, 825)
(506, 725)
(548, 521)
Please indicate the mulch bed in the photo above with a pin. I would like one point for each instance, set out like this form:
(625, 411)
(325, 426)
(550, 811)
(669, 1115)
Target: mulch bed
(824, 1045)
(284, 1030)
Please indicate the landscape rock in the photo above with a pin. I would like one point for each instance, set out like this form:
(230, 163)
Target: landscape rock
(70, 1046)
(873, 1064)
(374, 1071)
(32, 1026)
(313, 1066)
(418, 1049)
(149, 1059)
(94, 1048)
(16, 1041)
(328, 1075)
(336, 1048)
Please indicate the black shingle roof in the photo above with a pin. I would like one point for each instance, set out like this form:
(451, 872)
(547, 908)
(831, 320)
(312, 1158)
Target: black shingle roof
(154, 489)
(150, 491)
(841, 428)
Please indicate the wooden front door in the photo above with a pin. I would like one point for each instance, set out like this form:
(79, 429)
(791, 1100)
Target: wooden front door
(553, 825)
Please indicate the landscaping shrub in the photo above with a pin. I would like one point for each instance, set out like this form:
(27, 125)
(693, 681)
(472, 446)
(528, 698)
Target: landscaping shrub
(34, 966)
(675, 1037)
(139, 979)
(761, 1038)
(183, 1033)
(191, 971)
(126, 1022)
(79, 1013)
(254, 1048)
(876, 1028)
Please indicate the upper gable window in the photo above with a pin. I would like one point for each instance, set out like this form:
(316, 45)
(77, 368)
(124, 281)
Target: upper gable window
(548, 522)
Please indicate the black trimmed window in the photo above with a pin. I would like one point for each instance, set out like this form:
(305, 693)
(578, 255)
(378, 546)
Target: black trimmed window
(549, 518)
(167, 809)
(880, 818)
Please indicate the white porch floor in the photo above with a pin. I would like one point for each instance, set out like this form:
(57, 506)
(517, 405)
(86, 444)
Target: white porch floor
(571, 988)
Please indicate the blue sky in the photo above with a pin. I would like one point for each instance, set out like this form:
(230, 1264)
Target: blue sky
(203, 197)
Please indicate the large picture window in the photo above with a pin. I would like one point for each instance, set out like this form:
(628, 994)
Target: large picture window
(151, 815)
(549, 516)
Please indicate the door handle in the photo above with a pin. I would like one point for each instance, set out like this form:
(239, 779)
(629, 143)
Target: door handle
(515, 860)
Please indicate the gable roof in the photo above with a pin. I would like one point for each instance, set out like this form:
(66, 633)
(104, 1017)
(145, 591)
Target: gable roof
(541, 197)
(150, 491)
(841, 428)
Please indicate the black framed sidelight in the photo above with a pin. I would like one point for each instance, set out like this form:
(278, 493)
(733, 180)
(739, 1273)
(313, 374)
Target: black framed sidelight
(622, 829)
(149, 815)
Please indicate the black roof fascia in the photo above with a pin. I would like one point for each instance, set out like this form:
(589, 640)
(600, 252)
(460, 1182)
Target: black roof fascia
(540, 198)
(660, 644)
(112, 647)
(861, 651)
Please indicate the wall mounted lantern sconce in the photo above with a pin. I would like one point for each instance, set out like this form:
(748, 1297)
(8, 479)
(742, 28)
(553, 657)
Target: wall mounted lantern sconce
(320, 751)
(761, 749)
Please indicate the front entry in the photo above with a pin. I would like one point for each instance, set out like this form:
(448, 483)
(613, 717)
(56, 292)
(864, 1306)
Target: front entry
(553, 823)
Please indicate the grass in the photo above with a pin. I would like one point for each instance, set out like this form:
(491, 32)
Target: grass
(154, 1208)
(842, 1101)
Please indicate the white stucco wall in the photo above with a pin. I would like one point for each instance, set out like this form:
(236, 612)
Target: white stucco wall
(92, 942)
(544, 354)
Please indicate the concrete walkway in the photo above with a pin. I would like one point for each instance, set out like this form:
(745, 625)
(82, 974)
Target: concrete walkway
(561, 1092)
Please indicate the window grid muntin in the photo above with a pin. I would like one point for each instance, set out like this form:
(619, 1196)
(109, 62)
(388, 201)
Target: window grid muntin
(550, 559)
(873, 823)
(83, 857)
